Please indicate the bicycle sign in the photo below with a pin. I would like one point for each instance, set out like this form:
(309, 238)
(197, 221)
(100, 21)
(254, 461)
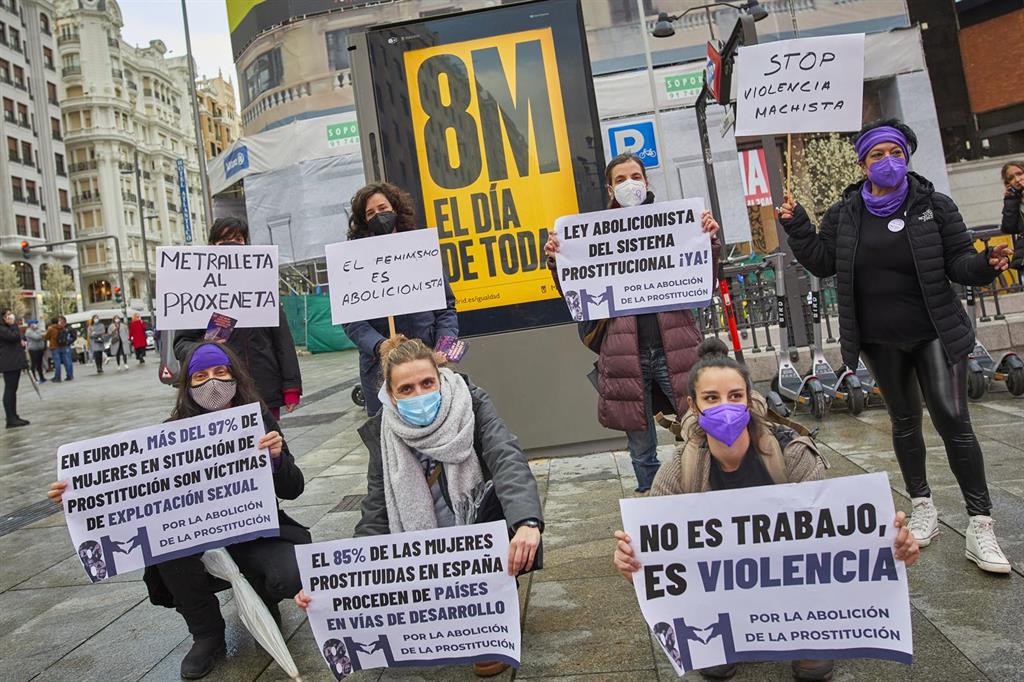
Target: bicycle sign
(635, 138)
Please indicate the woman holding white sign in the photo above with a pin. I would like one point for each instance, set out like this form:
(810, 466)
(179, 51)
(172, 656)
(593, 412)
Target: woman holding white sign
(729, 445)
(382, 208)
(216, 380)
(643, 359)
(895, 246)
(441, 456)
(268, 352)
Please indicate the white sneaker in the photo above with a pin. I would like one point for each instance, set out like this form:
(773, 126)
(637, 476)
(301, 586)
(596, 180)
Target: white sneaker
(982, 547)
(924, 521)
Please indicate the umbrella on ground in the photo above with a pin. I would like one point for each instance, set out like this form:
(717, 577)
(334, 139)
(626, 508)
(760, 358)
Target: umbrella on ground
(251, 609)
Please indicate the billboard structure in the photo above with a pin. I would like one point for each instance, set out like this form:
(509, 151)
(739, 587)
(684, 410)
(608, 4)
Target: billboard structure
(491, 125)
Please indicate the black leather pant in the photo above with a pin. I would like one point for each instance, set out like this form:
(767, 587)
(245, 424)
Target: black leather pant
(903, 373)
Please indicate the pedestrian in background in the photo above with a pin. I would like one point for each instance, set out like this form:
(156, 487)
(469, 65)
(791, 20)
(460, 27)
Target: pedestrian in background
(61, 337)
(268, 353)
(137, 335)
(35, 340)
(118, 333)
(12, 361)
(382, 208)
(643, 360)
(1013, 209)
(97, 342)
(80, 346)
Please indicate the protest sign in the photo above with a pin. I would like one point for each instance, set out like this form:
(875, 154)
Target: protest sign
(628, 261)
(777, 572)
(805, 85)
(393, 274)
(193, 282)
(168, 491)
(434, 597)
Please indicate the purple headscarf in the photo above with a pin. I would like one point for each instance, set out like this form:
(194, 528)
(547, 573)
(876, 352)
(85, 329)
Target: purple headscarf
(878, 135)
(206, 356)
(886, 204)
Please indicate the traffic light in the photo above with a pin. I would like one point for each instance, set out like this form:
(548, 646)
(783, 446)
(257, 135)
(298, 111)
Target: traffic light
(118, 298)
(24, 250)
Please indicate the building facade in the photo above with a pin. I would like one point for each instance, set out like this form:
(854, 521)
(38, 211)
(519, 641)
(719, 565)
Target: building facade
(128, 121)
(35, 204)
(218, 114)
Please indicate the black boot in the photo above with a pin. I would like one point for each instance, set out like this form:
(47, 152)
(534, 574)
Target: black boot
(201, 658)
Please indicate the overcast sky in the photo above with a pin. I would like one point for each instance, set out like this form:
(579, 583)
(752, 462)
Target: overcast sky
(146, 20)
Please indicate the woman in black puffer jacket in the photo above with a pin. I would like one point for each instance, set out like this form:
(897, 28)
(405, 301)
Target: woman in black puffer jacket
(895, 244)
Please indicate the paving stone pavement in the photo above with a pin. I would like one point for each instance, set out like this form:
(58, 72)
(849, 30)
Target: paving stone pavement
(581, 620)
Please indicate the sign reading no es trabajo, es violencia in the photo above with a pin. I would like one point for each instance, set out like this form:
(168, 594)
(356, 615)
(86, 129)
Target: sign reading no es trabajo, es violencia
(776, 572)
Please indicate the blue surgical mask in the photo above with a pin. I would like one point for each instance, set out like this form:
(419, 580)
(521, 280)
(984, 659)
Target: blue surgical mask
(420, 410)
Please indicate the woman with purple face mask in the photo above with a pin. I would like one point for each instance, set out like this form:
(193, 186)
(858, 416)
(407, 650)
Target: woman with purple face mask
(728, 445)
(895, 246)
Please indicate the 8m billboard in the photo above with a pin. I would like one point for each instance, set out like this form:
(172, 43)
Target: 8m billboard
(488, 120)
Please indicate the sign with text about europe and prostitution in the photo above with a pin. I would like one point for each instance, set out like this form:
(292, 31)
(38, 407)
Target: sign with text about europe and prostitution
(435, 597)
(145, 496)
(193, 282)
(777, 572)
(394, 274)
(628, 261)
(806, 85)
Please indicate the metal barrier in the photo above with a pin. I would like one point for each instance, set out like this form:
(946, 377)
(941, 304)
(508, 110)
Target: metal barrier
(1008, 282)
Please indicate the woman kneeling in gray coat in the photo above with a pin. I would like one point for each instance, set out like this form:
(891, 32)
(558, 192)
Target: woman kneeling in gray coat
(436, 449)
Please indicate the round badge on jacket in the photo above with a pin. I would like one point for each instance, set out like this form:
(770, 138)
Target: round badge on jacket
(896, 224)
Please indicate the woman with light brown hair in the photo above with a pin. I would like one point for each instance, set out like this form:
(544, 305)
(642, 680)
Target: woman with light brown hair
(441, 456)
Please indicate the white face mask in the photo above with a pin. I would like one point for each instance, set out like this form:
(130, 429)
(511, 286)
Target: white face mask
(630, 192)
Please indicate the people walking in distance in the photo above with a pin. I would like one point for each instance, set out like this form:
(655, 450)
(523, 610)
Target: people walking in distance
(61, 338)
(97, 332)
(214, 379)
(895, 246)
(12, 362)
(118, 333)
(382, 208)
(441, 456)
(643, 359)
(137, 336)
(728, 445)
(268, 352)
(35, 340)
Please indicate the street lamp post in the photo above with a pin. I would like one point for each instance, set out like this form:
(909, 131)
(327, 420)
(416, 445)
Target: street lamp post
(200, 151)
(142, 228)
(659, 136)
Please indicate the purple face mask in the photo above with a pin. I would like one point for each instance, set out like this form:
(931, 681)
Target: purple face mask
(725, 422)
(888, 173)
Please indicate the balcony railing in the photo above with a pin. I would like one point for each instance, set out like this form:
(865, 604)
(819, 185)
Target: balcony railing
(126, 166)
(171, 207)
(117, 73)
(83, 166)
(71, 71)
(56, 134)
(132, 85)
(24, 123)
(67, 38)
(112, 42)
(49, 64)
(65, 209)
(10, 117)
(129, 196)
(32, 199)
(18, 195)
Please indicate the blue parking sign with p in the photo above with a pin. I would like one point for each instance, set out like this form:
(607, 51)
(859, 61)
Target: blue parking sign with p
(635, 138)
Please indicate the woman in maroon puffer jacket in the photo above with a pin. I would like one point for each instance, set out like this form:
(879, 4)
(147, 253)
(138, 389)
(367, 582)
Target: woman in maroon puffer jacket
(642, 354)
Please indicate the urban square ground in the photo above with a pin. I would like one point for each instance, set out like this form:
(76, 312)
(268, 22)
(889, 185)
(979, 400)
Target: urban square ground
(581, 619)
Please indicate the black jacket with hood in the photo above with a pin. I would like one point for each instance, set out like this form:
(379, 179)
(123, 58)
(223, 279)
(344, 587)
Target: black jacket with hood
(942, 248)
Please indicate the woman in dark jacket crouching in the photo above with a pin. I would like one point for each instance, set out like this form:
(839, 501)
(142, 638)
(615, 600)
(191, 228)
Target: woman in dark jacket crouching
(214, 379)
(436, 448)
(895, 244)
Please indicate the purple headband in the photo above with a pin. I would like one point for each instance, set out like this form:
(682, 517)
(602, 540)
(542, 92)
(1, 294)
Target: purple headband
(878, 135)
(206, 356)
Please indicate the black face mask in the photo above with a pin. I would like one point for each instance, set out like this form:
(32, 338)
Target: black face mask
(382, 223)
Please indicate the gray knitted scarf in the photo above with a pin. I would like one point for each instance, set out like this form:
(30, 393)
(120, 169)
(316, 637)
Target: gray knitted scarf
(449, 439)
